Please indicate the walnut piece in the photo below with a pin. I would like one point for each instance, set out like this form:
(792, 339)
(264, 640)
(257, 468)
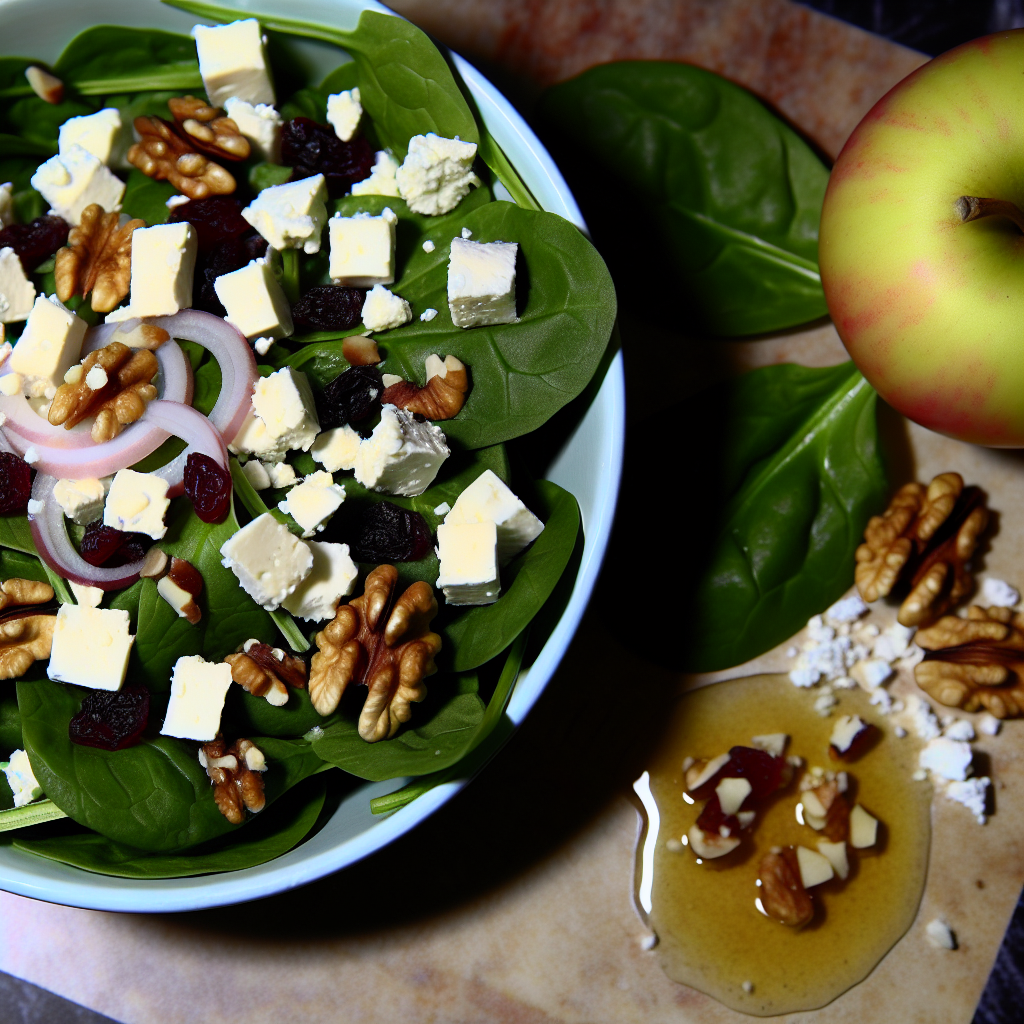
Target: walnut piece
(46, 86)
(920, 548)
(440, 398)
(97, 259)
(975, 663)
(783, 895)
(20, 592)
(180, 586)
(121, 400)
(23, 640)
(235, 774)
(163, 155)
(360, 351)
(207, 129)
(266, 671)
(383, 643)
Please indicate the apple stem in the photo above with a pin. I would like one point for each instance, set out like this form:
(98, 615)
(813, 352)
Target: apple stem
(972, 207)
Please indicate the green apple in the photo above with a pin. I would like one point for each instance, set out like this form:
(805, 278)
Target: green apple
(922, 243)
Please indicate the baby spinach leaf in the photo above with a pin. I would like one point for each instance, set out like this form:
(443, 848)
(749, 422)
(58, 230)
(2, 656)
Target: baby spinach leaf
(271, 833)
(37, 122)
(248, 715)
(24, 567)
(10, 724)
(15, 533)
(146, 198)
(727, 195)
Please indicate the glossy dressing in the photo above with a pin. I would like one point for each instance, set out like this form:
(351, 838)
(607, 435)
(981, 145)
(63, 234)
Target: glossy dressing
(711, 935)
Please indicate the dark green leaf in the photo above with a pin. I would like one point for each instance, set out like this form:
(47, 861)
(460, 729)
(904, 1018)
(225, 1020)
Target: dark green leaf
(146, 198)
(16, 533)
(21, 565)
(265, 175)
(10, 723)
(37, 122)
(724, 192)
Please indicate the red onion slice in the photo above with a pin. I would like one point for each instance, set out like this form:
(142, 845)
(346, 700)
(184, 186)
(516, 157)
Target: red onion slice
(192, 426)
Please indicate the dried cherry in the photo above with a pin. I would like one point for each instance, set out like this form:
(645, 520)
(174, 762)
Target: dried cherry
(388, 533)
(208, 487)
(352, 396)
(714, 820)
(111, 720)
(104, 546)
(765, 773)
(231, 254)
(215, 219)
(312, 148)
(37, 241)
(15, 484)
(329, 307)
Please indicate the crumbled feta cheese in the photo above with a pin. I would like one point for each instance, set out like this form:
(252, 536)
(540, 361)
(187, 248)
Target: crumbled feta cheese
(34, 507)
(468, 563)
(163, 263)
(312, 502)
(899, 732)
(920, 775)
(88, 597)
(818, 631)
(268, 560)
(482, 282)
(90, 647)
(292, 215)
(49, 346)
(233, 63)
(883, 701)
(383, 310)
(922, 718)
(844, 683)
(428, 246)
(198, 691)
(847, 609)
(940, 935)
(949, 759)
(17, 292)
(989, 724)
(874, 672)
(362, 249)
(174, 201)
(256, 473)
(748, 987)
(466, 233)
(255, 301)
(488, 498)
(998, 594)
(972, 793)
(93, 132)
(137, 503)
(96, 378)
(824, 703)
(280, 474)
(443, 509)
(381, 181)
(336, 449)
(20, 777)
(263, 345)
(75, 179)
(343, 113)
(436, 173)
(31, 456)
(960, 729)
(402, 455)
(428, 314)
(285, 404)
(260, 123)
(332, 577)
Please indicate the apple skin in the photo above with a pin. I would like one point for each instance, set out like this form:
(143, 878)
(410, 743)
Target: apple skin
(932, 309)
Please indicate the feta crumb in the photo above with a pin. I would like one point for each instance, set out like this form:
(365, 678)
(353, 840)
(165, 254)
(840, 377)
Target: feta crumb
(880, 699)
(428, 314)
(998, 593)
(825, 703)
(899, 732)
(428, 246)
(436, 173)
(383, 310)
(972, 793)
(176, 201)
(923, 719)
(844, 683)
(748, 987)
(21, 779)
(344, 110)
(263, 345)
(648, 942)
(466, 233)
(381, 181)
(989, 724)
(847, 609)
(34, 507)
(443, 509)
(894, 643)
(281, 474)
(818, 631)
(940, 935)
(920, 775)
(960, 729)
(792, 652)
(31, 456)
(946, 758)
(256, 473)
(875, 672)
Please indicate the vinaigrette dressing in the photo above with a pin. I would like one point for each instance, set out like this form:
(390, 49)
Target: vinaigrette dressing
(711, 935)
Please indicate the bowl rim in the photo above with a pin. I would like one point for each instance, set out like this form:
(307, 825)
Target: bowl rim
(27, 875)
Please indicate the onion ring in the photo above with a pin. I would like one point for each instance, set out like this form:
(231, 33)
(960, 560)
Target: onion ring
(191, 426)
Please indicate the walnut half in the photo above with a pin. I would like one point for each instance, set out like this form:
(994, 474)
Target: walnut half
(264, 671)
(25, 636)
(163, 155)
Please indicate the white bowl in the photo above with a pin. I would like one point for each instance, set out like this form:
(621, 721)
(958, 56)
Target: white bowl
(589, 465)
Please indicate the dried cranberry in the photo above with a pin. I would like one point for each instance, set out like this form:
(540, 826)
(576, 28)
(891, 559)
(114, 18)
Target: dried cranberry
(352, 396)
(104, 546)
(391, 534)
(37, 241)
(329, 307)
(215, 219)
(208, 487)
(15, 484)
(764, 772)
(313, 148)
(713, 820)
(231, 254)
(111, 720)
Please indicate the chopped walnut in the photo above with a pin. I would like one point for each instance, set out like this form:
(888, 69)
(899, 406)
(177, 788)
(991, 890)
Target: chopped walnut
(97, 259)
(235, 774)
(440, 398)
(975, 663)
(180, 586)
(121, 399)
(264, 671)
(921, 546)
(382, 642)
(360, 351)
(162, 154)
(208, 130)
(21, 592)
(46, 86)
(783, 896)
(23, 640)
(828, 797)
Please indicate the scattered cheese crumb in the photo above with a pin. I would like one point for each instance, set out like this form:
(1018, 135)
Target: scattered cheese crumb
(428, 246)
(466, 233)
(894, 643)
(428, 314)
(989, 724)
(31, 455)
(949, 759)
(825, 703)
(847, 609)
(443, 509)
(176, 201)
(648, 941)
(972, 793)
(34, 507)
(960, 729)
(999, 593)
(263, 345)
(923, 719)
(875, 672)
(899, 732)
(881, 700)
(940, 935)
(748, 987)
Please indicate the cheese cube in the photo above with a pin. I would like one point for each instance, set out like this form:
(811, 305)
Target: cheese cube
(488, 499)
(343, 113)
(268, 560)
(313, 502)
(381, 181)
(75, 179)
(362, 249)
(232, 62)
(198, 691)
(436, 173)
(94, 132)
(332, 577)
(88, 597)
(292, 215)
(284, 402)
(90, 647)
(336, 449)
(22, 780)
(256, 473)
(137, 503)
(260, 124)
(482, 282)
(402, 455)
(469, 563)
(49, 346)
(255, 301)
(17, 292)
(7, 203)
(815, 868)
(382, 309)
(280, 474)
(163, 262)
(81, 500)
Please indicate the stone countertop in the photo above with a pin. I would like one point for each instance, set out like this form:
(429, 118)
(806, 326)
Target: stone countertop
(513, 902)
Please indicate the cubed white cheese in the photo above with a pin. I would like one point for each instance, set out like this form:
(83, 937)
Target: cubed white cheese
(88, 597)
(17, 292)
(198, 691)
(256, 473)
(233, 62)
(362, 249)
(284, 402)
(292, 215)
(343, 113)
(814, 867)
(482, 282)
(75, 179)
(137, 503)
(332, 577)
(336, 449)
(469, 563)
(313, 502)
(436, 173)
(488, 498)
(260, 123)
(81, 500)
(280, 474)
(7, 203)
(381, 181)
(863, 828)
(268, 560)
(163, 263)
(255, 301)
(93, 132)
(252, 438)
(402, 455)
(90, 647)
(22, 780)
(48, 347)
(383, 310)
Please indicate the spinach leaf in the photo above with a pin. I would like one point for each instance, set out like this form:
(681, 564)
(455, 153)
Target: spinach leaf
(147, 198)
(24, 567)
(246, 715)
(10, 724)
(273, 832)
(15, 533)
(37, 122)
(112, 58)
(730, 195)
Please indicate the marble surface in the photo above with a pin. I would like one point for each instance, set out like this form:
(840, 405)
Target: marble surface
(513, 903)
